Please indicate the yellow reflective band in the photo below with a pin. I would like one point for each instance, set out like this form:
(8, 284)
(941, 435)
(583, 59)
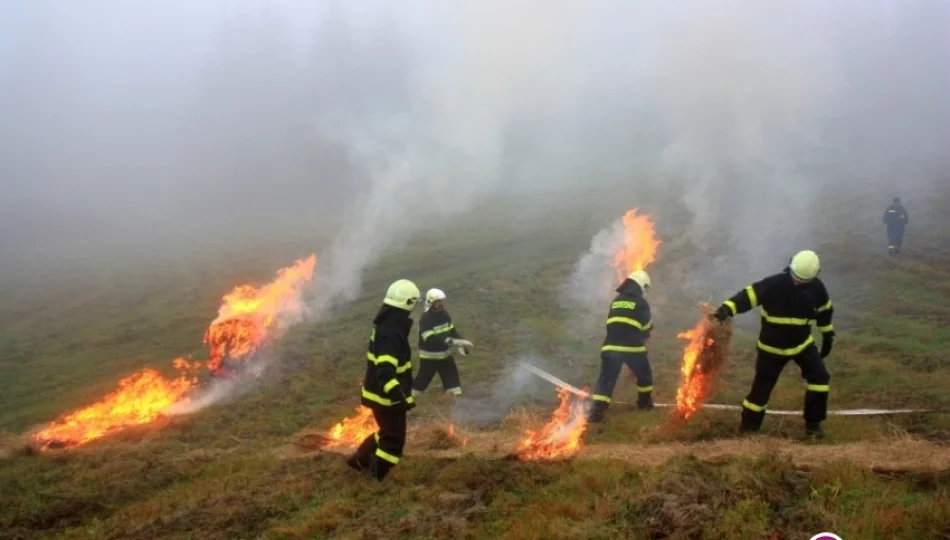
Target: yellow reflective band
(825, 307)
(623, 304)
(386, 456)
(454, 391)
(404, 368)
(826, 329)
(818, 388)
(645, 389)
(732, 306)
(376, 398)
(791, 321)
(390, 385)
(599, 397)
(619, 348)
(753, 299)
(387, 359)
(627, 320)
(434, 355)
(411, 399)
(752, 406)
(441, 329)
(786, 352)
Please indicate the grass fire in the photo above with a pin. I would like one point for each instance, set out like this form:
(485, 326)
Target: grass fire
(247, 320)
(704, 358)
(562, 436)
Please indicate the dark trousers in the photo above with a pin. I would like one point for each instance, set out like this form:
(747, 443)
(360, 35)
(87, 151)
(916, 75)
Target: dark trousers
(447, 371)
(768, 367)
(382, 450)
(611, 364)
(895, 237)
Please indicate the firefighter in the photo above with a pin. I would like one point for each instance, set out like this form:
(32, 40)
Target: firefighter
(388, 381)
(790, 302)
(628, 327)
(437, 336)
(896, 218)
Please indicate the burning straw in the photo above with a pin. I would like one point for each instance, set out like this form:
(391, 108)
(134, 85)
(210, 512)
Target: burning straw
(704, 358)
(561, 437)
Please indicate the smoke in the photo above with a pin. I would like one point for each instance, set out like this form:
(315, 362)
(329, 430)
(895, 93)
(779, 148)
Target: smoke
(510, 388)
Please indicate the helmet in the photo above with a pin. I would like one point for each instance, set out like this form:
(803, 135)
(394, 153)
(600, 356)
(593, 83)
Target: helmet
(433, 296)
(641, 278)
(805, 266)
(402, 294)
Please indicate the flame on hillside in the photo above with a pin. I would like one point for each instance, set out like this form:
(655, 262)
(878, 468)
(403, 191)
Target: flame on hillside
(639, 245)
(248, 319)
(561, 437)
(704, 357)
(353, 430)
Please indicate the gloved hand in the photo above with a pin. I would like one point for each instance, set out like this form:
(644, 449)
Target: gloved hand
(722, 313)
(409, 403)
(827, 342)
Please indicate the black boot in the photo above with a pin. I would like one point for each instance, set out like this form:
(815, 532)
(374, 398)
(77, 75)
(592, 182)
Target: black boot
(380, 468)
(813, 430)
(645, 401)
(355, 463)
(597, 411)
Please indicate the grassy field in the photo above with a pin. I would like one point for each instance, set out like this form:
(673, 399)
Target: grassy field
(233, 470)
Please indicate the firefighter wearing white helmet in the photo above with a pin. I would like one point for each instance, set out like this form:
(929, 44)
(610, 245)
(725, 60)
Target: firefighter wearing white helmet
(629, 325)
(437, 337)
(388, 381)
(790, 302)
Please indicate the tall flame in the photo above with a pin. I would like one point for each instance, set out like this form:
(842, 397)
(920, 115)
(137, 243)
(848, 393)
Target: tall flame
(704, 357)
(639, 244)
(561, 437)
(248, 318)
(353, 430)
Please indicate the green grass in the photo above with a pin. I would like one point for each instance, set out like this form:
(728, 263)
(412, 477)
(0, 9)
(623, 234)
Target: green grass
(66, 341)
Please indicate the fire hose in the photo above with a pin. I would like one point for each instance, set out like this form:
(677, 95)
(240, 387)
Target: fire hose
(845, 412)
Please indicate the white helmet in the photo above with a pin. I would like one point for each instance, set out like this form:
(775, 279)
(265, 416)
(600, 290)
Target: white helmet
(641, 278)
(805, 266)
(402, 294)
(433, 296)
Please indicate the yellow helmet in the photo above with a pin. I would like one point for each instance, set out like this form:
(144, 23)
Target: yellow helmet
(402, 294)
(641, 278)
(805, 266)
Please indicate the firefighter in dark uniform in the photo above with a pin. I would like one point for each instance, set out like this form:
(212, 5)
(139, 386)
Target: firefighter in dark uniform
(628, 327)
(437, 336)
(388, 381)
(896, 218)
(790, 302)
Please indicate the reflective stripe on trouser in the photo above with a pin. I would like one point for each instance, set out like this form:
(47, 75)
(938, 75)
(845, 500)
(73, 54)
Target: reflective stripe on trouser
(382, 450)
(611, 364)
(768, 367)
(446, 369)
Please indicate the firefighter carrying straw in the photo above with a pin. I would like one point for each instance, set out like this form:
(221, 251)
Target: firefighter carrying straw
(789, 302)
(388, 381)
(437, 336)
(628, 327)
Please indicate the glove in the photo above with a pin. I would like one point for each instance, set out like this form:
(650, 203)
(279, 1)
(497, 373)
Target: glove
(409, 403)
(722, 313)
(827, 342)
(463, 345)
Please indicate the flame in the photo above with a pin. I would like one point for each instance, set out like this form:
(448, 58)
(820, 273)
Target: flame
(353, 430)
(561, 437)
(704, 357)
(639, 245)
(247, 319)
(140, 399)
(248, 316)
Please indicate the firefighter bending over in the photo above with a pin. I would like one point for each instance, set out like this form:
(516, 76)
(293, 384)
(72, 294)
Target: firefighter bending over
(437, 336)
(388, 381)
(628, 327)
(896, 218)
(790, 302)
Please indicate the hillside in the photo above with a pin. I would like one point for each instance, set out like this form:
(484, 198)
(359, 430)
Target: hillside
(245, 469)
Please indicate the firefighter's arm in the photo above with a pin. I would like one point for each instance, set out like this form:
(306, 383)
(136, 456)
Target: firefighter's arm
(826, 311)
(386, 363)
(744, 300)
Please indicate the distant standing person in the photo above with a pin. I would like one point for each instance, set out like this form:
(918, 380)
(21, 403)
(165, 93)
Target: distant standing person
(896, 219)
(388, 381)
(437, 336)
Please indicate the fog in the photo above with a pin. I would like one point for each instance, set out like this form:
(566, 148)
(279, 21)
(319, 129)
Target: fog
(356, 122)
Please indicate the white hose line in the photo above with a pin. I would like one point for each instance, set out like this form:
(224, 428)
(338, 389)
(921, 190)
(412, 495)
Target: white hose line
(845, 412)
